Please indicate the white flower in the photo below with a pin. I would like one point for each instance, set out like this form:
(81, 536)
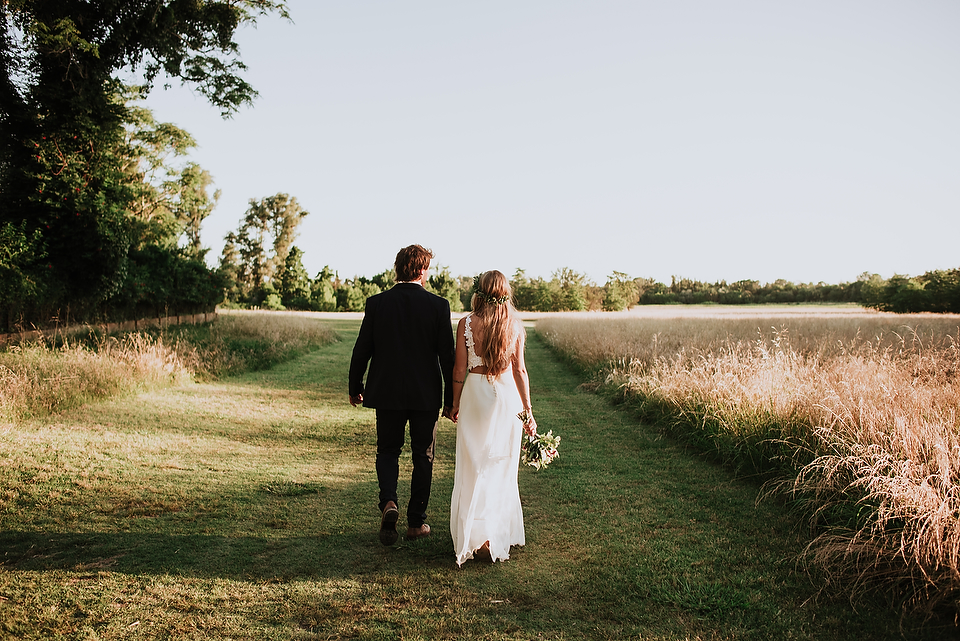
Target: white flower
(538, 450)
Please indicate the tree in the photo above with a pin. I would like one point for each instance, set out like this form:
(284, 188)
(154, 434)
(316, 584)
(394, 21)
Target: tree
(263, 241)
(89, 43)
(193, 204)
(229, 268)
(385, 279)
(524, 291)
(270, 298)
(620, 292)
(21, 269)
(943, 287)
(169, 202)
(466, 292)
(294, 287)
(64, 162)
(871, 290)
(352, 295)
(147, 153)
(446, 286)
(251, 243)
(935, 291)
(286, 214)
(572, 287)
(904, 295)
(323, 297)
(657, 293)
(165, 280)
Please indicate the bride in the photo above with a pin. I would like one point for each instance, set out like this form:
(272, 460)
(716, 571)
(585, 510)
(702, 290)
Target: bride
(490, 387)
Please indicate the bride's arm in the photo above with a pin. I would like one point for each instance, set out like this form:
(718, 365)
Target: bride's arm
(459, 368)
(523, 382)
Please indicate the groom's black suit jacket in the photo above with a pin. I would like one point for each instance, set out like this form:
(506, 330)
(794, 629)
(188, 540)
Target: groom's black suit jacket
(407, 338)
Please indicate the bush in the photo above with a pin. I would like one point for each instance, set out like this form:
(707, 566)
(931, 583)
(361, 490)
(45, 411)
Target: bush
(160, 282)
(273, 302)
(935, 291)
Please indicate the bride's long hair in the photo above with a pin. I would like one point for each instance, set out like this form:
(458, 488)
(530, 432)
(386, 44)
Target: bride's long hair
(492, 304)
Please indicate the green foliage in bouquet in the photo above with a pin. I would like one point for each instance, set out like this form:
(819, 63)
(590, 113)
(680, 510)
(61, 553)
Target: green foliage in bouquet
(537, 450)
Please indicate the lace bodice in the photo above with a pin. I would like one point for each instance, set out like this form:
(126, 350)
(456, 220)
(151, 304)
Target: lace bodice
(472, 359)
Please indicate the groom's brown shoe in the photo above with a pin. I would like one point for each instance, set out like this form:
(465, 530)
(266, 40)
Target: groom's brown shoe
(388, 524)
(417, 532)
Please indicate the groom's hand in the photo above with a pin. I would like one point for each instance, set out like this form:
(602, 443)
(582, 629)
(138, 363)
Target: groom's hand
(356, 400)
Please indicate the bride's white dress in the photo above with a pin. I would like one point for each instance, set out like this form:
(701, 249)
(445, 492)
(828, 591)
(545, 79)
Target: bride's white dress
(486, 498)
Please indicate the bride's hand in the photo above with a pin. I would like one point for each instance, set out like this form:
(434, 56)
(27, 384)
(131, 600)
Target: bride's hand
(530, 427)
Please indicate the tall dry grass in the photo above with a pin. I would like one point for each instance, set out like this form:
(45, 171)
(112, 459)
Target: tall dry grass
(853, 417)
(243, 340)
(52, 375)
(40, 378)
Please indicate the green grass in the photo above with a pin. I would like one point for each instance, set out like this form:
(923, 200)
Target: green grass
(246, 509)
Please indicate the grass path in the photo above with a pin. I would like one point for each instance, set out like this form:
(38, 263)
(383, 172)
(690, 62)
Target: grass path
(246, 509)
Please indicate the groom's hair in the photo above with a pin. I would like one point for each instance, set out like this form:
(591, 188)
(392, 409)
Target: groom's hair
(411, 261)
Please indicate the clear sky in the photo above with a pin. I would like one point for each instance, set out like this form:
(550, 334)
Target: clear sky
(810, 141)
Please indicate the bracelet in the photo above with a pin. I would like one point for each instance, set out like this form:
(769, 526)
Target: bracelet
(461, 382)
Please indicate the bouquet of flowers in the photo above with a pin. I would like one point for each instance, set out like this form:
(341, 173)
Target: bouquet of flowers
(537, 450)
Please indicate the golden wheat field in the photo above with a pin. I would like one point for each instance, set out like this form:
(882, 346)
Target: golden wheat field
(860, 409)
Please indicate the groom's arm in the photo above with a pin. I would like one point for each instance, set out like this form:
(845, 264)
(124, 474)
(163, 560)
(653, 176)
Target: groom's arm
(445, 354)
(362, 352)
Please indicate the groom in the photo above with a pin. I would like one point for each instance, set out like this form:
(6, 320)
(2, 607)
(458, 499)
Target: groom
(407, 338)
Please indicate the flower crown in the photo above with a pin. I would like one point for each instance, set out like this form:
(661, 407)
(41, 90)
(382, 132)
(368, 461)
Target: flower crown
(484, 296)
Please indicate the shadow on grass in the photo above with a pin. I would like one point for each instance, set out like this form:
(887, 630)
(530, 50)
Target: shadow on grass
(248, 558)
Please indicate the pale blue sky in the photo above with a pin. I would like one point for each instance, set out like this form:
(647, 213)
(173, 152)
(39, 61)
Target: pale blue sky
(711, 140)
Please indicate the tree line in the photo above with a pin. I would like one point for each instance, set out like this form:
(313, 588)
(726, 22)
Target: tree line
(567, 290)
(100, 211)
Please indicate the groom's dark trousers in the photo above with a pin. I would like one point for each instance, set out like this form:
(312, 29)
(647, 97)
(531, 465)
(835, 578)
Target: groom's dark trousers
(423, 434)
(407, 337)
